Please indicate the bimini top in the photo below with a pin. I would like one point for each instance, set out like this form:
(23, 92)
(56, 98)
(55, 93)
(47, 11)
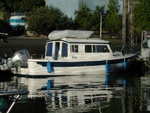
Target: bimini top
(56, 35)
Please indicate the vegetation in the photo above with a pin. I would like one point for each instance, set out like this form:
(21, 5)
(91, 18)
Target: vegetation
(112, 19)
(88, 20)
(142, 16)
(43, 20)
(24, 6)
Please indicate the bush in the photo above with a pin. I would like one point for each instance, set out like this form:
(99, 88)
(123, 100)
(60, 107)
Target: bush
(46, 19)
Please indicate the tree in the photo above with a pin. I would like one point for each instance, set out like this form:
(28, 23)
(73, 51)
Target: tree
(43, 20)
(142, 16)
(95, 20)
(5, 6)
(87, 19)
(112, 21)
(29, 5)
(83, 18)
(9, 6)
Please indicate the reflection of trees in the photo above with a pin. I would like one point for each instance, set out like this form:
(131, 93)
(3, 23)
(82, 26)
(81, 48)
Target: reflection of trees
(131, 97)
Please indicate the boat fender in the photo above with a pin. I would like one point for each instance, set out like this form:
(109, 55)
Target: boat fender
(50, 84)
(124, 64)
(49, 67)
(124, 82)
(107, 69)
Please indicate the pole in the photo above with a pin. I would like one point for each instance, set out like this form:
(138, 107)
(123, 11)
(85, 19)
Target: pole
(100, 35)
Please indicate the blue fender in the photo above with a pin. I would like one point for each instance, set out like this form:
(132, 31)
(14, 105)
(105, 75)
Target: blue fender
(124, 65)
(107, 68)
(49, 67)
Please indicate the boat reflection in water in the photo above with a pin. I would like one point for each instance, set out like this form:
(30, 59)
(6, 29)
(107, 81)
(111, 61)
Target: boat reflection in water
(75, 94)
(72, 93)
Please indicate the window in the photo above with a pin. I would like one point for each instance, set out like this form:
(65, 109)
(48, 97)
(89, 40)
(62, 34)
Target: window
(49, 49)
(64, 50)
(74, 48)
(88, 49)
(96, 48)
(102, 48)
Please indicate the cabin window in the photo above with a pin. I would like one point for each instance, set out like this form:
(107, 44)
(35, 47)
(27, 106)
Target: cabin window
(64, 50)
(74, 48)
(88, 49)
(96, 48)
(56, 51)
(102, 48)
(49, 49)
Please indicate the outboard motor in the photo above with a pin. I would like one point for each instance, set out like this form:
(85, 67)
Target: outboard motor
(20, 58)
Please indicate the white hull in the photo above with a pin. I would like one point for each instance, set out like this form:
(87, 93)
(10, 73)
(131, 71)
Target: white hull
(35, 69)
(63, 70)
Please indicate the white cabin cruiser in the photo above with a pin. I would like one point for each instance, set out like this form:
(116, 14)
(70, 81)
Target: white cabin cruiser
(73, 52)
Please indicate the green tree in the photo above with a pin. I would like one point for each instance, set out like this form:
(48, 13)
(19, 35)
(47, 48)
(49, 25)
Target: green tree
(87, 19)
(142, 16)
(83, 18)
(112, 21)
(5, 6)
(95, 19)
(43, 20)
(9, 6)
(29, 5)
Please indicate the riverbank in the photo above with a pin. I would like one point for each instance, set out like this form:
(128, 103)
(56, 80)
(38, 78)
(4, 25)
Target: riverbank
(28, 37)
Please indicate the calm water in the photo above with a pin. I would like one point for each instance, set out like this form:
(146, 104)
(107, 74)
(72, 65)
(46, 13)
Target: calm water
(124, 93)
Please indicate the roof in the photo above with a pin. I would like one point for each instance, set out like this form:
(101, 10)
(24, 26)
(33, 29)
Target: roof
(56, 35)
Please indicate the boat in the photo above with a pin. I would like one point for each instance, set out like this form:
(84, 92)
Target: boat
(73, 52)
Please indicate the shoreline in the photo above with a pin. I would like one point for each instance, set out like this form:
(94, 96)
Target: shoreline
(28, 37)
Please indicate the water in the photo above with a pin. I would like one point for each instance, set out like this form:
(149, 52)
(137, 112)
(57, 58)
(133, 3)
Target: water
(124, 93)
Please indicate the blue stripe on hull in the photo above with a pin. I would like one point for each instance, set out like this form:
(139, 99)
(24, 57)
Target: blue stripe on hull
(83, 63)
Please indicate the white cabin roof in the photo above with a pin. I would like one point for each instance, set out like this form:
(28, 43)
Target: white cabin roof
(75, 36)
(56, 35)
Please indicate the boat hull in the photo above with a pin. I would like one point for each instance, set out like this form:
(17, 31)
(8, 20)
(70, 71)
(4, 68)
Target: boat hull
(40, 68)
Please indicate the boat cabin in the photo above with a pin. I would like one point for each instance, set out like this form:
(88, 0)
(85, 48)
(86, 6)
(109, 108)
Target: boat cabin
(75, 49)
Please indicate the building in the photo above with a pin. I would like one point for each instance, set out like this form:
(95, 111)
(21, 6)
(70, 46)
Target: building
(69, 7)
